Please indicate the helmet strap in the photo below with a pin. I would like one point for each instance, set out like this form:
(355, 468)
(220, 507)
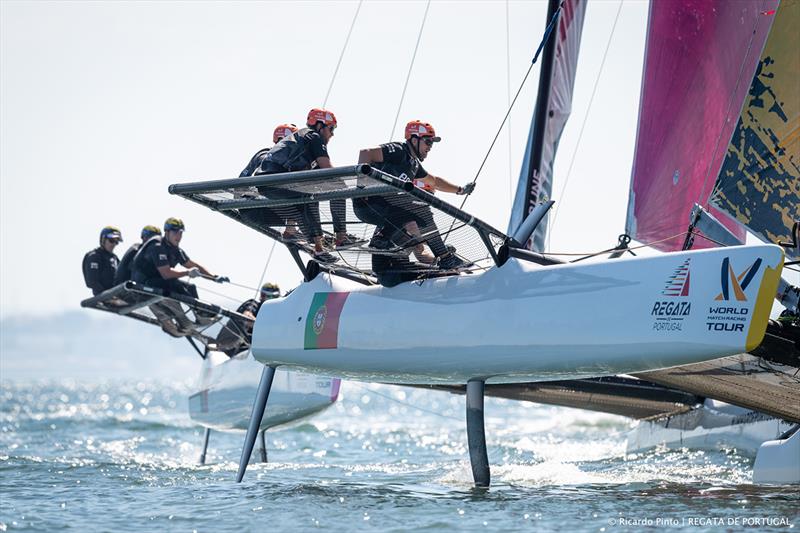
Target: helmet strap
(414, 149)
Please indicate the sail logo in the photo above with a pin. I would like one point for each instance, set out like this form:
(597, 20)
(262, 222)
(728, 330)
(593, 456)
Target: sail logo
(731, 283)
(322, 321)
(678, 283)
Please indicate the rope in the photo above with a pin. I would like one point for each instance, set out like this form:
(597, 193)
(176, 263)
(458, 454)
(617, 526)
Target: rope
(585, 117)
(410, 68)
(587, 255)
(341, 56)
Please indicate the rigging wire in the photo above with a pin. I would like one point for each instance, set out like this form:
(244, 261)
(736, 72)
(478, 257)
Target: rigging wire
(410, 68)
(264, 272)
(406, 404)
(221, 294)
(583, 125)
(547, 33)
(508, 103)
(341, 56)
(324, 104)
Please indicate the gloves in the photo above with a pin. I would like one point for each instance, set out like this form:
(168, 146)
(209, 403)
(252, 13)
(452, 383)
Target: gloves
(466, 189)
(193, 273)
(222, 279)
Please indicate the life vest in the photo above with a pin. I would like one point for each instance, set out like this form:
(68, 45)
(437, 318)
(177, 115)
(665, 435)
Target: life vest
(289, 154)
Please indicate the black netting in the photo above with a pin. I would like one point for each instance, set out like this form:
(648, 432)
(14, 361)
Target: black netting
(179, 316)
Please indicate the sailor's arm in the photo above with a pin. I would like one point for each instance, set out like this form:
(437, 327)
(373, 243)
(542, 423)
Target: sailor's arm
(370, 155)
(191, 264)
(168, 272)
(441, 184)
(324, 162)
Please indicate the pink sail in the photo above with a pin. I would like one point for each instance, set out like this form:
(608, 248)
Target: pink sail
(700, 58)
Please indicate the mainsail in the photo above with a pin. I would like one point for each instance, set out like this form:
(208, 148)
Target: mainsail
(700, 58)
(553, 106)
(759, 183)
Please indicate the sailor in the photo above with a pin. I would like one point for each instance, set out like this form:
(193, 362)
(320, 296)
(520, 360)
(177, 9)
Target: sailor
(234, 337)
(265, 216)
(154, 263)
(251, 307)
(400, 214)
(100, 264)
(307, 149)
(281, 131)
(124, 268)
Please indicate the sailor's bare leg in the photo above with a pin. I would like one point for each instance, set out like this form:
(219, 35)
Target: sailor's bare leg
(421, 252)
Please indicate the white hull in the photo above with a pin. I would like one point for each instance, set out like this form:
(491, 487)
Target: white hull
(714, 426)
(227, 388)
(524, 322)
(778, 461)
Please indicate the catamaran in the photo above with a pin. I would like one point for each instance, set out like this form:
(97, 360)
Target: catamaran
(505, 318)
(227, 383)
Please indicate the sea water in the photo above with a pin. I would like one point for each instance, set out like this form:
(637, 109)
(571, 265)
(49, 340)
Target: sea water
(123, 456)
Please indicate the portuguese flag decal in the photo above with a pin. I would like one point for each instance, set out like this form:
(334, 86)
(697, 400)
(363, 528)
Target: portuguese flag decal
(322, 322)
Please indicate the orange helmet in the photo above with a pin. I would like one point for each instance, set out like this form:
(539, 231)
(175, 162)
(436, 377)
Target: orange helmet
(284, 130)
(417, 128)
(321, 115)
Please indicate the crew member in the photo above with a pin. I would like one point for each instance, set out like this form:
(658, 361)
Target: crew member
(154, 264)
(267, 216)
(124, 268)
(235, 336)
(251, 307)
(307, 149)
(281, 131)
(400, 214)
(100, 264)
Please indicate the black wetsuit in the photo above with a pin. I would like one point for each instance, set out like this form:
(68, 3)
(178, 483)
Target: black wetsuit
(391, 213)
(124, 268)
(99, 268)
(252, 305)
(300, 151)
(158, 252)
(263, 216)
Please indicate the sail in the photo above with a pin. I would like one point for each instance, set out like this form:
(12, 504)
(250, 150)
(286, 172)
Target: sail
(759, 183)
(553, 106)
(700, 58)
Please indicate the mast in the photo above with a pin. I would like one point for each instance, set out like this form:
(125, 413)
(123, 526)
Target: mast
(552, 109)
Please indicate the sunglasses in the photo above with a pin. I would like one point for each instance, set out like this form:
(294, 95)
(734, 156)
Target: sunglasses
(114, 241)
(428, 142)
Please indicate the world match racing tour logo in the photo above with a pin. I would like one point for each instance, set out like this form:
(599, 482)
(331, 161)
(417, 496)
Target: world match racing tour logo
(670, 313)
(731, 317)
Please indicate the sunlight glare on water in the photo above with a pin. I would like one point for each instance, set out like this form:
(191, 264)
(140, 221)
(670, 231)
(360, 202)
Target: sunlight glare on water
(123, 456)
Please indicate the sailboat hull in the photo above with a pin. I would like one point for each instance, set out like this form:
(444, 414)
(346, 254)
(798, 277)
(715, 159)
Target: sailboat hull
(524, 322)
(227, 388)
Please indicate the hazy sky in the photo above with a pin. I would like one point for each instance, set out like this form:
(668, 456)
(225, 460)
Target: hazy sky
(105, 104)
